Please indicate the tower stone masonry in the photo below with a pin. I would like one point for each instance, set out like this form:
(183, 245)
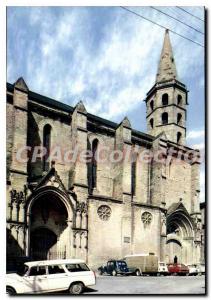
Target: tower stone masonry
(96, 210)
(167, 100)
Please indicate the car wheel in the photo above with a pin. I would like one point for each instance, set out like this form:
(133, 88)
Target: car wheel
(76, 288)
(10, 291)
(114, 273)
(137, 272)
(158, 274)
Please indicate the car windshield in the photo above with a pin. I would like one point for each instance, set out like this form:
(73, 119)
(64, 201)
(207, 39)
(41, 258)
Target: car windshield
(162, 264)
(22, 270)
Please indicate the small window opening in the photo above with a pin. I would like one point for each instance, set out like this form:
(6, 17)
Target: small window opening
(165, 118)
(179, 100)
(179, 119)
(46, 145)
(165, 98)
(94, 163)
(179, 136)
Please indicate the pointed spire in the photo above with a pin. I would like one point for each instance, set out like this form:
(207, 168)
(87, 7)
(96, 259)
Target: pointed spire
(80, 107)
(20, 84)
(126, 123)
(167, 68)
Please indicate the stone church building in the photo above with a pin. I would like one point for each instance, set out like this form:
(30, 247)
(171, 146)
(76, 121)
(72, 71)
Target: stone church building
(97, 210)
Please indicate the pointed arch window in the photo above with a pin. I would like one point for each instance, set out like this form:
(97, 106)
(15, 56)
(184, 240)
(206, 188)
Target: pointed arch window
(133, 174)
(152, 104)
(47, 145)
(165, 99)
(165, 118)
(179, 100)
(179, 119)
(151, 123)
(179, 137)
(95, 144)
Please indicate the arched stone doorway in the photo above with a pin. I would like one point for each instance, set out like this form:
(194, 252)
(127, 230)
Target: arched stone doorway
(50, 218)
(180, 235)
(43, 243)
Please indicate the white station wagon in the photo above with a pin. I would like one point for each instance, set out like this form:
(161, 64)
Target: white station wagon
(48, 276)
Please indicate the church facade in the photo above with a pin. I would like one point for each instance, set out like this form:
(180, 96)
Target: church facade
(97, 209)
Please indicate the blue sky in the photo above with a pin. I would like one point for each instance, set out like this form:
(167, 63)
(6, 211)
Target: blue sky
(106, 57)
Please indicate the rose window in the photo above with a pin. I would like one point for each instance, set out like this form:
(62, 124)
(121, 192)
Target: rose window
(104, 212)
(146, 218)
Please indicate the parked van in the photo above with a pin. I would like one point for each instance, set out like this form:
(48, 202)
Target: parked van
(162, 268)
(143, 263)
(48, 276)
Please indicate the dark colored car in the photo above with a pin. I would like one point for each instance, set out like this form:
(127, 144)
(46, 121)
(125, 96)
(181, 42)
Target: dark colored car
(178, 269)
(114, 267)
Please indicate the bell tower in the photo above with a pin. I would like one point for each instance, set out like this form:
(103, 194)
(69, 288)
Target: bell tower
(167, 100)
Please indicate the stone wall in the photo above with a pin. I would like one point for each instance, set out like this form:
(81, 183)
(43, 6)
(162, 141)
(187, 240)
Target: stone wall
(147, 230)
(142, 178)
(105, 235)
(117, 220)
(172, 109)
(105, 169)
(178, 183)
(9, 128)
(60, 137)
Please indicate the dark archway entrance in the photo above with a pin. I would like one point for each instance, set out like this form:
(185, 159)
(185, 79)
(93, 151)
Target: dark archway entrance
(179, 235)
(43, 242)
(49, 228)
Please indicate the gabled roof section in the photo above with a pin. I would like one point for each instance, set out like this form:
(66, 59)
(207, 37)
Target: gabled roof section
(167, 67)
(51, 179)
(49, 102)
(177, 206)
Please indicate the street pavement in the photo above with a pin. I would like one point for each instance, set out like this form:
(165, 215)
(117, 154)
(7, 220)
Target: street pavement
(148, 285)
